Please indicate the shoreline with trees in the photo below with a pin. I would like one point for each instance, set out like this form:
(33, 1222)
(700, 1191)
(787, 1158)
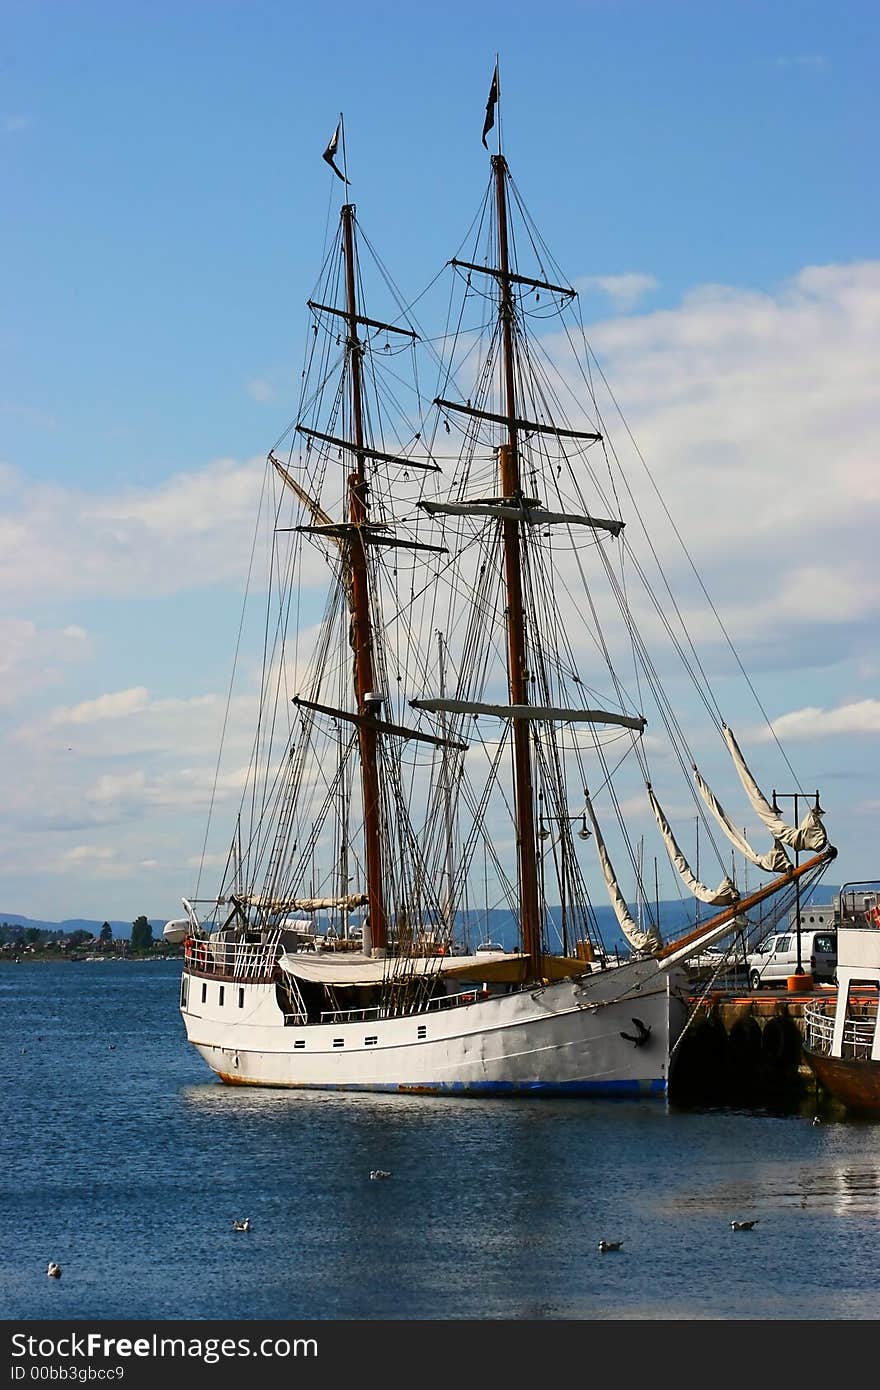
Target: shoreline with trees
(21, 943)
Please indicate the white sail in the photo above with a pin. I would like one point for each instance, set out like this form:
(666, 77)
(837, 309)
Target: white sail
(775, 861)
(810, 834)
(721, 896)
(640, 940)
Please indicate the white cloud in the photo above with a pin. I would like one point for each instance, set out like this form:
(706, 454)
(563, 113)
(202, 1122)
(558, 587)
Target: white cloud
(87, 854)
(812, 722)
(119, 705)
(261, 391)
(194, 530)
(624, 291)
(763, 408)
(116, 788)
(33, 658)
(11, 124)
(209, 861)
(101, 862)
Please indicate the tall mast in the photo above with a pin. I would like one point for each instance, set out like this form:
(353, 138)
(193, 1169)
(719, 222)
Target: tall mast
(343, 837)
(524, 792)
(375, 932)
(449, 910)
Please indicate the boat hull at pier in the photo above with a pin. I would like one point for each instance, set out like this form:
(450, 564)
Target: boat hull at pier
(842, 1046)
(561, 1037)
(856, 1084)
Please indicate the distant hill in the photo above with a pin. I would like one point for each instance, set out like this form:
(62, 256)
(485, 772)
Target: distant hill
(676, 918)
(72, 924)
(497, 924)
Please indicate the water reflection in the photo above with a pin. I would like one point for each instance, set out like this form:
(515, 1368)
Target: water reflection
(841, 1188)
(853, 1189)
(213, 1098)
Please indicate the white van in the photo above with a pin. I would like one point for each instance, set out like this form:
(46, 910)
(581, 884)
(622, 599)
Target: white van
(776, 957)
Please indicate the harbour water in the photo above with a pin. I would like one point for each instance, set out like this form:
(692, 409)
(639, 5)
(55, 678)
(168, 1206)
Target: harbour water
(125, 1161)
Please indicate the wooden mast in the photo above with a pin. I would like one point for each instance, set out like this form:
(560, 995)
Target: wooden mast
(449, 907)
(524, 793)
(375, 931)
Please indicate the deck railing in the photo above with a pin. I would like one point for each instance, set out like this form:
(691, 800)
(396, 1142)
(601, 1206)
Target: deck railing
(858, 1033)
(231, 960)
(443, 1001)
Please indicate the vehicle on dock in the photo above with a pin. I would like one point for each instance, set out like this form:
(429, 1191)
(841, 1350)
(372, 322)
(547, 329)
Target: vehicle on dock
(776, 957)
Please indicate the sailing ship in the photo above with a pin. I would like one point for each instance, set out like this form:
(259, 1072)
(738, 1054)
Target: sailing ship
(446, 730)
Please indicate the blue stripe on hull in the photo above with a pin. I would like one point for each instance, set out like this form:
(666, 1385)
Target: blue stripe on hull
(622, 1089)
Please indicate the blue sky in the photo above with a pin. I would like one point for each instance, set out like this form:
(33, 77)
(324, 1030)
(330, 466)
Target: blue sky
(706, 172)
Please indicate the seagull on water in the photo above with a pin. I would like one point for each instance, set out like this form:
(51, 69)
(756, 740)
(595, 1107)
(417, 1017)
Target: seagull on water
(742, 1225)
(54, 1270)
(609, 1245)
(379, 1173)
(244, 1225)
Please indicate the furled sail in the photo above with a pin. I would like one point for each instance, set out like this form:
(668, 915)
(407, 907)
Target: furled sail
(721, 896)
(303, 904)
(775, 861)
(640, 940)
(810, 834)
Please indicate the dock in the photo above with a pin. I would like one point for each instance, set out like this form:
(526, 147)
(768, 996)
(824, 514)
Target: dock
(745, 1048)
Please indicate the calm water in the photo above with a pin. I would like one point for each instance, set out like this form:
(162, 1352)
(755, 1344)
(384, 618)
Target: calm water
(126, 1162)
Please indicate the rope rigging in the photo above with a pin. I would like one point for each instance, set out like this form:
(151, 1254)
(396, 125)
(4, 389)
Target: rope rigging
(301, 807)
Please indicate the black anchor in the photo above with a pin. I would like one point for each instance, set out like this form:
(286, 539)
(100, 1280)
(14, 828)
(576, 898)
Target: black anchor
(641, 1037)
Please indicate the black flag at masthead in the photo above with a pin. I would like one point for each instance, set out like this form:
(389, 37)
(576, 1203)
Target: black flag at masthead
(490, 106)
(330, 153)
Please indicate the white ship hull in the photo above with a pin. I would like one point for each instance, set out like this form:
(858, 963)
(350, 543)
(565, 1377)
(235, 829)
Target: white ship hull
(556, 1038)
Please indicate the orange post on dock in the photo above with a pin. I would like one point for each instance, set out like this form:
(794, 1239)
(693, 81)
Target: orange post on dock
(800, 984)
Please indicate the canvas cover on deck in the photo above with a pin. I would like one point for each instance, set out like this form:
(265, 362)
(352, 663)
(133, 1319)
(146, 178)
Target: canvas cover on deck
(340, 970)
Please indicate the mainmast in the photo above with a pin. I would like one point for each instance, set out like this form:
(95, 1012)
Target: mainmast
(375, 932)
(511, 489)
(449, 908)
(516, 513)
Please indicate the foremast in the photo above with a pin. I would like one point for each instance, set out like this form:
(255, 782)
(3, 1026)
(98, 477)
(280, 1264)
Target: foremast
(517, 648)
(375, 937)
(356, 535)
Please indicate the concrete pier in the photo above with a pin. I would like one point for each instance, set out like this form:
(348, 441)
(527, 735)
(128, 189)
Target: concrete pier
(744, 1048)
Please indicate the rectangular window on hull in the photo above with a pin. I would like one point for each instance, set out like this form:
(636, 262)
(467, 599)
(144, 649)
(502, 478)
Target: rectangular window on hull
(339, 1042)
(204, 993)
(300, 1042)
(368, 1042)
(241, 998)
(220, 994)
(184, 990)
(422, 1031)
